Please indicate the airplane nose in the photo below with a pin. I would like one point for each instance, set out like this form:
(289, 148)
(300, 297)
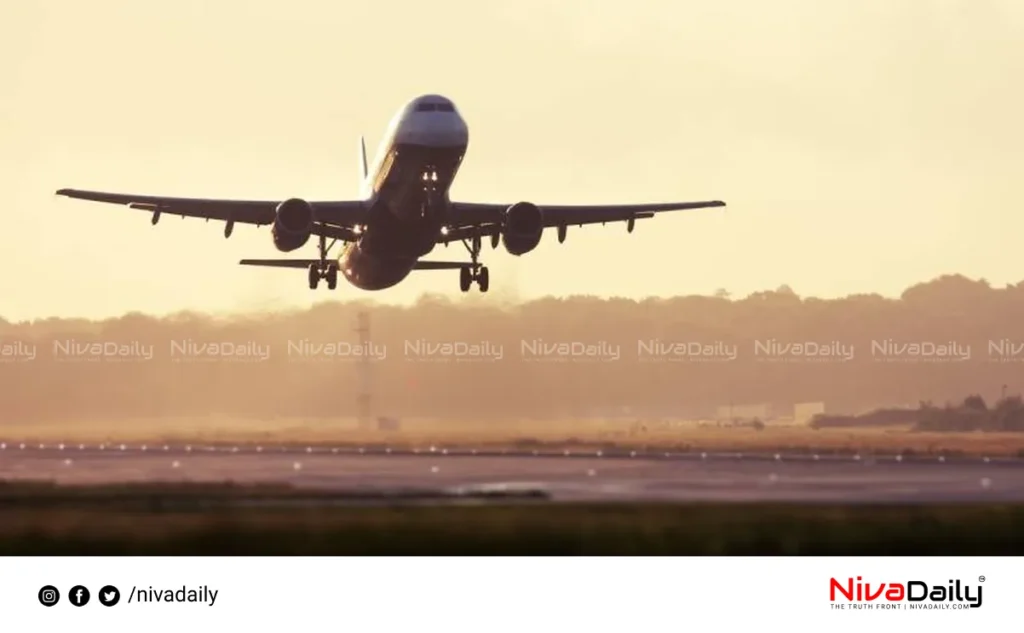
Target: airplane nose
(436, 130)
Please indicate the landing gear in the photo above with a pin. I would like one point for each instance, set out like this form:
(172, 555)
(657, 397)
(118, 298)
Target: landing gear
(475, 271)
(480, 274)
(314, 276)
(324, 269)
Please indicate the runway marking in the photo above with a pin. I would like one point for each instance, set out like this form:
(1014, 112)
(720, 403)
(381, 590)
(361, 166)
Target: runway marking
(437, 451)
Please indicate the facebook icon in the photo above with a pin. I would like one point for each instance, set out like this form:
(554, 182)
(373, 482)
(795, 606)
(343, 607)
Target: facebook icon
(79, 596)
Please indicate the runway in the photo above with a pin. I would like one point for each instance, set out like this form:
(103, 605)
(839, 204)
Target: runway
(565, 475)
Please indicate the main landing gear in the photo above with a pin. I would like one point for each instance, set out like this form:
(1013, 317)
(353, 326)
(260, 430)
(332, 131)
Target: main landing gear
(324, 269)
(474, 271)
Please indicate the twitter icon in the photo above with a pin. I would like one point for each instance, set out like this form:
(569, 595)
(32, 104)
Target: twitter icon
(109, 596)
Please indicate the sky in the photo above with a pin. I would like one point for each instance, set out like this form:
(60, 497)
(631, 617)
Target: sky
(861, 145)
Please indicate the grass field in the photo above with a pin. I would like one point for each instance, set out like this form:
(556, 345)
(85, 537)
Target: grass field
(53, 525)
(451, 433)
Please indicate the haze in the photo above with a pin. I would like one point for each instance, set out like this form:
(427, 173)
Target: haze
(862, 145)
(514, 362)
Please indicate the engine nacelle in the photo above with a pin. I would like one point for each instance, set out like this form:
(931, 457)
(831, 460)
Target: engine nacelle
(293, 224)
(522, 228)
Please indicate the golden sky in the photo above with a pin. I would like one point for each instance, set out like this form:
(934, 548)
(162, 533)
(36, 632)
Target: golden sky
(862, 145)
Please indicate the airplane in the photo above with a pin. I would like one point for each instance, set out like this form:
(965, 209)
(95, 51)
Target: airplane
(403, 211)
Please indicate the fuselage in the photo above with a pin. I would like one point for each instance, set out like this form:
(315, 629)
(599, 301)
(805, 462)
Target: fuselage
(407, 192)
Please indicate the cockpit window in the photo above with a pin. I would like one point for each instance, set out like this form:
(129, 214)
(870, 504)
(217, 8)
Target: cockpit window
(445, 107)
(426, 107)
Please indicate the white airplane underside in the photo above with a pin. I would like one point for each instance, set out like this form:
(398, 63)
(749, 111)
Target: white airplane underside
(404, 210)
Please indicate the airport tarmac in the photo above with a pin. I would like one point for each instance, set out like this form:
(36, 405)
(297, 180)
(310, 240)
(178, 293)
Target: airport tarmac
(565, 475)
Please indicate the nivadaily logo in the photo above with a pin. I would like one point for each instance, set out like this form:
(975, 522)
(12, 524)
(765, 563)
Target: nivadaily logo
(913, 594)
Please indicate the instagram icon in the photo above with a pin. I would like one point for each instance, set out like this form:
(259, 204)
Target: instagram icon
(49, 596)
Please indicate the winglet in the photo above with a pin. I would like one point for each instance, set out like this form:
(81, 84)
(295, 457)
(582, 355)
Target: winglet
(362, 159)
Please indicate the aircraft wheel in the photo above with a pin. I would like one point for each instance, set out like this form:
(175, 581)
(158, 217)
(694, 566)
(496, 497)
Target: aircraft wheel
(483, 279)
(332, 276)
(465, 279)
(314, 277)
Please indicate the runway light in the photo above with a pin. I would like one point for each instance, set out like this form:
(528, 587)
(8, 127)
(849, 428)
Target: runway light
(122, 447)
(566, 453)
(535, 453)
(942, 458)
(778, 457)
(42, 446)
(143, 447)
(632, 453)
(61, 447)
(856, 458)
(81, 447)
(433, 449)
(3, 447)
(67, 462)
(234, 449)
(899, 458)
(986, 483)
(591, 472)
(703, 455)
(188, 449)
(21, 447)
(434, 469)
(600, 454)
(387, 450)
(297, 466)
(259, 449)
(817, 457)
(309, 449)
(166, 447)
(773, 477)
(444, 451)
(985, 459)
(175, 464)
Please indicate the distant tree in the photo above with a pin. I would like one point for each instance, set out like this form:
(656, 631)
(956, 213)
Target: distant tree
(975, 403)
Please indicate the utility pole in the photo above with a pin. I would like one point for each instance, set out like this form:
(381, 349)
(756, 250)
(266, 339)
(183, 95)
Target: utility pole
(364, 399)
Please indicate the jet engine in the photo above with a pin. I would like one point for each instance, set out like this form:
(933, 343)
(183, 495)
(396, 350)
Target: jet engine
(522, 227)
(293, 224)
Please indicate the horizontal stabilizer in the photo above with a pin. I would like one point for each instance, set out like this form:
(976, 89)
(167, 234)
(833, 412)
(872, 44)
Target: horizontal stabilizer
(440, 265)
(280, 263)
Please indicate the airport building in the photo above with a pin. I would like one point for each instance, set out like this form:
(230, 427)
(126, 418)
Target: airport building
(744, 412)
(804, 412)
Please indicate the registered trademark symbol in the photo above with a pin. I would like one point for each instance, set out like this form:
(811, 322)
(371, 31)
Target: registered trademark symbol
(981, 579)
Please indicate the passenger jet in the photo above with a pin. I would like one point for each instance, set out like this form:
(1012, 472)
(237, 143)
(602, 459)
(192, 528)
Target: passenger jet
(403, 212)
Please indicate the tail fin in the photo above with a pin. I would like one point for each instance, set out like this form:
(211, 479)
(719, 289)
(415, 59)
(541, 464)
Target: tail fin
(364, 172)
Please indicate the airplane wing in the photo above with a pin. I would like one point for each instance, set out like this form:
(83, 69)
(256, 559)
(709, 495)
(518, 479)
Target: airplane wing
(474, 218)
(339, 215)
(305, 263)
